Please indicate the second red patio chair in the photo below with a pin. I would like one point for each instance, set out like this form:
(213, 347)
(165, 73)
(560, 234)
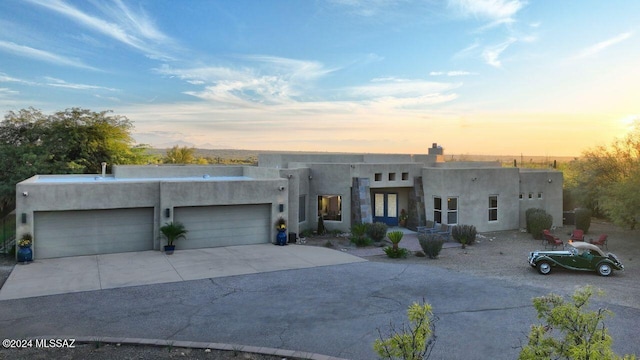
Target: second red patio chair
(602, 241)
(577, 235)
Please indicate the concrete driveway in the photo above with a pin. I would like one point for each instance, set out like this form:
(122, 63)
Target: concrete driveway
(333, 310)
(109, 271)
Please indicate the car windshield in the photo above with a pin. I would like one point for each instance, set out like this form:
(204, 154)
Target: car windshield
(573, 250)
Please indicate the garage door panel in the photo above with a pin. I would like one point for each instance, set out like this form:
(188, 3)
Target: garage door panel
(211, 226)
(73, 233)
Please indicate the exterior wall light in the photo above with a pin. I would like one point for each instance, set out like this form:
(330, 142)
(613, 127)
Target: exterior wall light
(281, 188)
(550, 181)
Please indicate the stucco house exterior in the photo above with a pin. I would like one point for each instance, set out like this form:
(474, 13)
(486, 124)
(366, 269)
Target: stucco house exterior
(72, 215)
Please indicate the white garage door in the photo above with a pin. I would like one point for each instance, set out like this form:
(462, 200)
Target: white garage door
(212, 226)
(89, 232)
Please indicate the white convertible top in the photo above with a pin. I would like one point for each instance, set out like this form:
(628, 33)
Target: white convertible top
(580, 245)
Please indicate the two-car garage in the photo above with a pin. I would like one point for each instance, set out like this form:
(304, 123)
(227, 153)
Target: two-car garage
(89, 232)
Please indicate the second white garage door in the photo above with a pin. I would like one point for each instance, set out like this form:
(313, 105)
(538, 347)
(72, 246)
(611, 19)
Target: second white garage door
(213, 226)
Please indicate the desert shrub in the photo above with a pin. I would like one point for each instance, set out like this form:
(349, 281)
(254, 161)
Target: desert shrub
(583, 219)
(431, 244)
(464, 234)
(538, 221)
(321, 229)
(377, 231)
(396, 253)
(527, 215)
(412, 342)
(578, 333)
(359, 235)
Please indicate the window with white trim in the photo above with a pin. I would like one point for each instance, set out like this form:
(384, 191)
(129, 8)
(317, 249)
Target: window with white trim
(452, 211)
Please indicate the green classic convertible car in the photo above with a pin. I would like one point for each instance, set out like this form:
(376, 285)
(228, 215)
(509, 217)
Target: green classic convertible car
(577, 256)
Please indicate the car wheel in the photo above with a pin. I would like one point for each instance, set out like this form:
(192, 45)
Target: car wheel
(604, 269)
(544, 267)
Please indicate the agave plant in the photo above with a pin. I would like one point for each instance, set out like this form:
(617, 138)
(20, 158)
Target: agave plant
(173, 231)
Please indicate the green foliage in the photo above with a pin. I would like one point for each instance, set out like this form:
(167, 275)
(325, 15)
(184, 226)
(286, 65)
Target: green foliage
(431, 244)
(359, 235)
(173, 231)
(180, 155)
(606, 179)
(321, 230)
(528, 214)
(583, 219)
(537, 221)
(412, 342)
(395, 253)
(306, 233)
(67, 142)
(395, 237)
(377, 231)
(569, 330)
(464, 234)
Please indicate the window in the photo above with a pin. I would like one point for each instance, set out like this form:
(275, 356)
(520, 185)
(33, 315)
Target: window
(392, 176)
(539, 195)
(521, 196)
(330, 207)
(437, 210)
(530, 195)
(302, 208)
(452, 210)
(377, 177)
(405, 176)
(493, 208)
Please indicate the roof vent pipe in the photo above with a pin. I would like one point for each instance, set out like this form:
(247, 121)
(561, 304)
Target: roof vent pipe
(104, 169)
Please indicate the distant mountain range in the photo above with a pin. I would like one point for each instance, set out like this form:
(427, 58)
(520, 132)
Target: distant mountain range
(246, 154)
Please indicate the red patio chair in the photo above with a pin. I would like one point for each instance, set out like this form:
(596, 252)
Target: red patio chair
(577, 235)
(601, 242)
(551, 240)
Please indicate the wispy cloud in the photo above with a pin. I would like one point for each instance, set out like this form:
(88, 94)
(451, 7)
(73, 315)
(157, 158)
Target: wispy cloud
(63, 84)
(6, 78)
(124, 25)
(41, 55)
(261, 80)
(597, 48)
(494, 10)
(4, 92)
(366, 8)
(451, 73)
(491, 54)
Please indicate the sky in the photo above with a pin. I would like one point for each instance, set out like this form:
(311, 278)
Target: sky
(491, 77)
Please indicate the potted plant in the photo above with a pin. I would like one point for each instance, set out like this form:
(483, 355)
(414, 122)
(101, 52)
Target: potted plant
(281, 226)
(173, 231)
(403, 218)
(25, 254)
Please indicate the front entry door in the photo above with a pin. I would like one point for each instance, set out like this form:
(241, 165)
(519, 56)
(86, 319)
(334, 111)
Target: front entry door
(385, 208)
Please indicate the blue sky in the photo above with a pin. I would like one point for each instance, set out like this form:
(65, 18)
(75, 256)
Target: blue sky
(380, 76)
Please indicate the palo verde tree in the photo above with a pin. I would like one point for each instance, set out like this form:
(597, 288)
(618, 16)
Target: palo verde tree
(66, 142)
(606, 179)
(569, 330)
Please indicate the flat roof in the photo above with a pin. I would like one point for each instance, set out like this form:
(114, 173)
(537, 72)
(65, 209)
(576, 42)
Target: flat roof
(97, 178)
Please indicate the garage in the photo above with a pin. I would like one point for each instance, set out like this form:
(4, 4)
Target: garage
(213, 226)
(89, 232)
